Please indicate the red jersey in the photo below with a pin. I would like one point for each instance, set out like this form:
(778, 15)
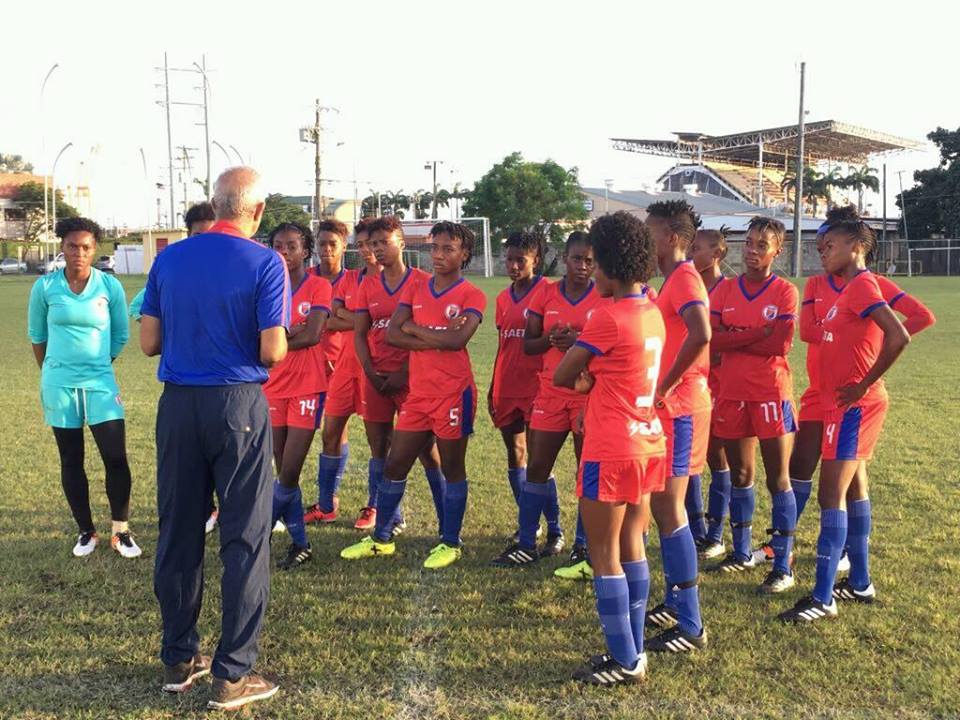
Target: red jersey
(682, 289)
(626, 338)
(515, 372)
(301, 372)
(345, 294)
(556, 308)
(441, 373)
(333, 342)
(380, 302)
(744, 376)
(820, 294)
(851, 340)
(715, 358)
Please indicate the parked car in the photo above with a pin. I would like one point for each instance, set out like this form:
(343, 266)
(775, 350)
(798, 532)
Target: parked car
(58, 263)
(105, 263)
(12, 266)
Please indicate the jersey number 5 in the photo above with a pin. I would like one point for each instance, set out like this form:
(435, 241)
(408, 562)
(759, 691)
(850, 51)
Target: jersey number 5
(654, 346)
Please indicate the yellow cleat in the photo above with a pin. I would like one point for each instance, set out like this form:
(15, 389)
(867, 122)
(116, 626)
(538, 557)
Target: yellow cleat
(578, 571)
(442, 556)
(368, 548)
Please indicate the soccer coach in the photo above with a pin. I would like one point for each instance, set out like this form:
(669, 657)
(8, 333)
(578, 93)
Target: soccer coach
(216, 309)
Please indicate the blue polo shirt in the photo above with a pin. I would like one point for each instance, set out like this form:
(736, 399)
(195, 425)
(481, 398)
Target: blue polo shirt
(213, 294)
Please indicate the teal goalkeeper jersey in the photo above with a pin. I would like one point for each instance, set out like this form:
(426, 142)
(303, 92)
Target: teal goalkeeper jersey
(83, 333)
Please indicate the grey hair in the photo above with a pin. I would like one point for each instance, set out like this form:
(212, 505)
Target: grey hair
(237, 192)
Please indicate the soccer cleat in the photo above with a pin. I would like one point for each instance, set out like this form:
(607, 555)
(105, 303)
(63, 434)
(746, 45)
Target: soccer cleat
(776, 581)
(707, 550)
(398, 528)
(86, 544)
(211, 522)
(315, 516)
(608, 672)
(553, 545)
(516, 556)
(809, 609)
(515, 538)
(367, 519)
(232, 695)
(279, 527)
(441, 556)
(660, 617)
(123, 543)
(732, 563)
(765, 554)
(676, 640)
(844, 565)
(180, 677)
(296, 556)
(579, 567)
(368, 548)
(844, 590)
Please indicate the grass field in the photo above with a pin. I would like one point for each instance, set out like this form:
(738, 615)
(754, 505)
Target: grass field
(384, 639)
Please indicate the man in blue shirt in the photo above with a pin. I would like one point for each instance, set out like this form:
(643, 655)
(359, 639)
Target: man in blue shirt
(216, 310)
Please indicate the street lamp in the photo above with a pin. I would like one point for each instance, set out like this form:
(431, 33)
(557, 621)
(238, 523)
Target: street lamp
(239, 156)
(53, 178)
(432, 165)
(607, 187)
(206, 120)
(43, 152)
(224, 151)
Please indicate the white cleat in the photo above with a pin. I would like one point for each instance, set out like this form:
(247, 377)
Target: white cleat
(211, 522)
(86, 544)
(124, 544)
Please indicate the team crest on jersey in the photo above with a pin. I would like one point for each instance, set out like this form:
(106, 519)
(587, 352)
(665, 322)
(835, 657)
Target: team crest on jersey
(589, 314)
(526, 313)
(770, 312)
(451, 311)
(303, 308)
(832, 312)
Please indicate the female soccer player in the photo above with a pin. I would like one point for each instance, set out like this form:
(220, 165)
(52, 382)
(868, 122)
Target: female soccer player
(385, 381)
(819, 295)
(297, 386)
(707, 252)
(343, 393)
(683, 406)
(434, 322)
(861, 340)
(554, 319)
(753, 329)
(513, 386)
(616, 360)
(77, 322)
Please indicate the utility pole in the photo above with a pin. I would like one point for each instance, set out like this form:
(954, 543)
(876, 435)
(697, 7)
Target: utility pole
(798, 192)
(166, 86)
(884, 230)
(312, 135)
(187, 171)
(432, 164)
(903, 208)
(206, 118)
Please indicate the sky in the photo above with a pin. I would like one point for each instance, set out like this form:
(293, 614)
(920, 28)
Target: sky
(463, 83)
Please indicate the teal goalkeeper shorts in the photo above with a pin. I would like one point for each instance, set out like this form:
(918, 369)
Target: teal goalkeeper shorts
(65, 407)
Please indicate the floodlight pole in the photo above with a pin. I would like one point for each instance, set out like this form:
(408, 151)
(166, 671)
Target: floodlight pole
(798, 192)
(903, 207)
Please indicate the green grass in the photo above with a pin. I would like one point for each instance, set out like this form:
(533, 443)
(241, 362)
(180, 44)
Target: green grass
(384, 639)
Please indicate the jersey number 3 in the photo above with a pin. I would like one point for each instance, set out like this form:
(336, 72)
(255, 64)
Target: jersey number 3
(654, 346)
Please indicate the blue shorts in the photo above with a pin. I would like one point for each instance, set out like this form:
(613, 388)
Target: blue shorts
(65, 407)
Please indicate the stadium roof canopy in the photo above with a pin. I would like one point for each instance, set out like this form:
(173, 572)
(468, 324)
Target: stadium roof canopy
(824, 140)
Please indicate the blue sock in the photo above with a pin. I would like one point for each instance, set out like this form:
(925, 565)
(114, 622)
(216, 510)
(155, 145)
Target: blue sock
(581, 537)
(328, 481)
(833, 535)
(613, 607)
(742, 504)
(293, 518)
(281, 496)
(374, 478)
(454, 508)
(694, 504)
(517, 477)
(801, 491)
(438, 489)
(637, 573)
(858, 541)
(533, 498)
(680, 566)
(389, 495)
(718, 501)
(784, 524)
(551, 511)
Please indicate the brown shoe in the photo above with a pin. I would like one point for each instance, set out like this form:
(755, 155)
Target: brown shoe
(179, 678)
(229, 695)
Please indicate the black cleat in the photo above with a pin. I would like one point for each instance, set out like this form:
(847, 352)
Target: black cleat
(553, 545)
(809, 610)
(844, 590)
(296, 556)
(516, 556)
(604, 670)
(732, 564)
(776, 581)
(661, 617)
(676, 640)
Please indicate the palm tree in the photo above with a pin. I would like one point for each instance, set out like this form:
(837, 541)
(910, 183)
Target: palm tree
(816, 185)
(860, 179)
(422, 199)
